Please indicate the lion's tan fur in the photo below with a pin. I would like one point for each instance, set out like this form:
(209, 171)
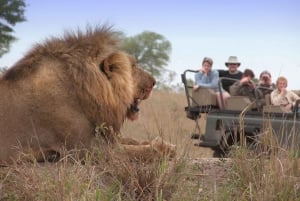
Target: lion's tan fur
(57, 94)
(148, 150)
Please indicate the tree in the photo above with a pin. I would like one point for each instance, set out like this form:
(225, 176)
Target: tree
(152, 53)
(2, 70)
(11, 12)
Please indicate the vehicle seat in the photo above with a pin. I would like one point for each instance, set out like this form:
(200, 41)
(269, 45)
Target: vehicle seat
(271, 108)
(238, 103)
(204, 97)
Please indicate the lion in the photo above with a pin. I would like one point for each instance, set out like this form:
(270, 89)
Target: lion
(62, 89)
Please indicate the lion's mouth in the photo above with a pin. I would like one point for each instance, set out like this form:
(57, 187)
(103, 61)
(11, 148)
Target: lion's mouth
(133, 111)
(134, 107)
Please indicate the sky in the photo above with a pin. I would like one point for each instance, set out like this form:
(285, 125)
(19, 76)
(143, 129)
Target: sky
(263, 34)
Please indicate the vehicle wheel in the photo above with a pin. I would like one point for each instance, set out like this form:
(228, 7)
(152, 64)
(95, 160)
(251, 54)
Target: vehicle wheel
(231, 139)
(227, 140)
(219, 153)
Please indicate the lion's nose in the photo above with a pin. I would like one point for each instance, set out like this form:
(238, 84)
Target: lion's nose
(154, 81)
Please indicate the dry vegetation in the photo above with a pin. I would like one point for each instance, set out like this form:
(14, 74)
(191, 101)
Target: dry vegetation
(194, 175)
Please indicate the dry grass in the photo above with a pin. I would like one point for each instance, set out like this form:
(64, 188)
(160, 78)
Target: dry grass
(163, 114)
(105, 174)
(247, 175)
(194, 175)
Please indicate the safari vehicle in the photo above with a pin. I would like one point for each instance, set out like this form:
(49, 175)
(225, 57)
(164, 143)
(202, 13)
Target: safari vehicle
(240, 121)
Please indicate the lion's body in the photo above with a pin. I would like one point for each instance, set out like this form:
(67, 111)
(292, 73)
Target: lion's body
(46, 118)
(61, 90)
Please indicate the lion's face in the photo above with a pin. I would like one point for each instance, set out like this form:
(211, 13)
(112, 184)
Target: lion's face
(143, 85)
(127, 79)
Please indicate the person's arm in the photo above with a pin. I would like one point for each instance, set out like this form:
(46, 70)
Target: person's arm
(202, 80)
(234, 89)
(293, 96)
(215, 78)
(198, 77)
(198, 80)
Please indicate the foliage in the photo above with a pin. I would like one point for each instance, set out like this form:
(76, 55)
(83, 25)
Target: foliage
(3, 69)
(152, 53)
(11, 12)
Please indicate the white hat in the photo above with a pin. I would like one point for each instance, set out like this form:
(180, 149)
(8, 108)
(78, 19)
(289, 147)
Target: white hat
(233, 60)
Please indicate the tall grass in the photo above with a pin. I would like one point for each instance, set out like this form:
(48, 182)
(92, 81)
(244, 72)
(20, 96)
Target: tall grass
(270, 174)
(105, 174)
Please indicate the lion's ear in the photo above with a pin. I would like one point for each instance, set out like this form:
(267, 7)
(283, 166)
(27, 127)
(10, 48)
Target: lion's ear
(132, 60)
(107, 68)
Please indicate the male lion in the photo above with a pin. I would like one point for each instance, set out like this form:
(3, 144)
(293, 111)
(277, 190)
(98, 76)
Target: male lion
(61, 90)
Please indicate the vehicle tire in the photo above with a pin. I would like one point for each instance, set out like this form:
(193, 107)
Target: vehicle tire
(219, 152)
(222, 150)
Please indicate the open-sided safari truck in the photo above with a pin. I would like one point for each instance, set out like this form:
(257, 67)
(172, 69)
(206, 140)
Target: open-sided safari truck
(240, 121)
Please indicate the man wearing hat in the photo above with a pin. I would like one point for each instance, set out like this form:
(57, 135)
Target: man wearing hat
(232, 64)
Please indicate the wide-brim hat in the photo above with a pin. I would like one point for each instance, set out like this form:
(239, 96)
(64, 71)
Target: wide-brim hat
(233, 60)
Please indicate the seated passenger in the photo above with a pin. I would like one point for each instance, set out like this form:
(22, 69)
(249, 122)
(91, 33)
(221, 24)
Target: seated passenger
(232, 64)
(208, 78)
(282, 96)
(265, 86)
(265, 81)
(245, 86)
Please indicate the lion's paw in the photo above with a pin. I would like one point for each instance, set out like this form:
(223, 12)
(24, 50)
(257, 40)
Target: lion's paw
(163, 148)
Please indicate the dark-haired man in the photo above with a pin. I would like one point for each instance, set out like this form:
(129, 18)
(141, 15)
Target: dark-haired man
(245, 86)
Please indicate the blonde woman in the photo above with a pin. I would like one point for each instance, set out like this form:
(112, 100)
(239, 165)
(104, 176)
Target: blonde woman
(283, 97)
